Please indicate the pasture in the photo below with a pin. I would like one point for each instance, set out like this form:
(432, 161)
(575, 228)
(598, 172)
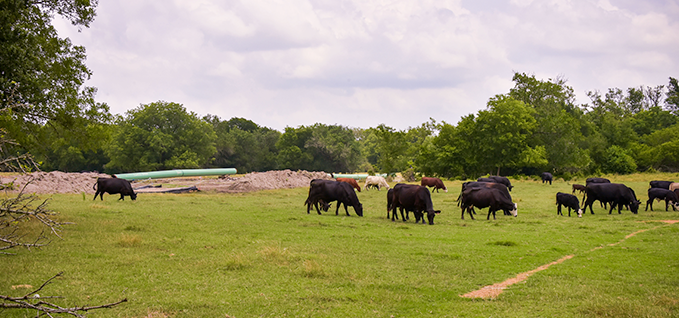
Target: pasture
(261, 255)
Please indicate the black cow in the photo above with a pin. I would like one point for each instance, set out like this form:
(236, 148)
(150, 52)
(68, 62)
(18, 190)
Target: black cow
(497, 179)
(661, 184)
(615, 193)
(597, 180)
(113, 186)
(413, 198)
(482, 197)
(478, 184)
(546, 176)
(328, 190)
(662, 194)
(568, 200)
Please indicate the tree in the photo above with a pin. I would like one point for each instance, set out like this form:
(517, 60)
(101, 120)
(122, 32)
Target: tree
(557, 121)
(503, 132)
(244, 145)
(160, 135)
(672, 99)
(320, 148)
(391, 147)
(44, 73)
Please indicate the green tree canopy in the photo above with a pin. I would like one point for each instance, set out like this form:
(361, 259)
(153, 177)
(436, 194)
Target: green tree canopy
(158, 136)
(319, 147)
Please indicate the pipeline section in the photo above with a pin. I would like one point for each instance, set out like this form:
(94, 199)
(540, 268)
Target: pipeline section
(176, 173)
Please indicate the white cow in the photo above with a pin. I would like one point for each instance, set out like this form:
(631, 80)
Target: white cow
(376, 180)
(673, 186)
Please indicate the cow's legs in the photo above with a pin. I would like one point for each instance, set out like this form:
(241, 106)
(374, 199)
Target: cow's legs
(650, 201)
(558, 210)
(404, 217)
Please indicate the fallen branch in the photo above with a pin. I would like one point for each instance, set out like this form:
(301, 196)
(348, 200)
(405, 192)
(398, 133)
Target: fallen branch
(34, 301)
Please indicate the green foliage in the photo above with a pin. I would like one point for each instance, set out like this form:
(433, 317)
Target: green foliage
(42, 75)
(319, 148)
(159, 136)
(672, 100)
(618, 161)
(244, 145)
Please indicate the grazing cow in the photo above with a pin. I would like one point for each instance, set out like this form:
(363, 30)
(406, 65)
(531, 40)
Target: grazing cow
(374, 186)
(597, 180)
(376, 180)
(615, 193)
(492, 198)
(662, 194)
(350, 181)
(568, 200)
(578, 187)
(546, 176)
(328, 191)
(413, 198)
(477, 184)
(661, 184)
(113, 186)
(497, 179)
(433, 182)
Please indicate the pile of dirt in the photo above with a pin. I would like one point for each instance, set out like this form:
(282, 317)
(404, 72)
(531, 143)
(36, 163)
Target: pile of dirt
(62, 182)
(55, 182)
(269, 180)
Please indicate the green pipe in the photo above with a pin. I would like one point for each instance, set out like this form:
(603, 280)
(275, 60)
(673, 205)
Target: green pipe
(176, 173)
(357, 176)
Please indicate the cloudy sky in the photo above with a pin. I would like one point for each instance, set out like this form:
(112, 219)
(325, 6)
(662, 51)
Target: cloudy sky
(361, 63)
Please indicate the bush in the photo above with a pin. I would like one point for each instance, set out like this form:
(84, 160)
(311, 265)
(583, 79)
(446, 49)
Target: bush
(618, 161)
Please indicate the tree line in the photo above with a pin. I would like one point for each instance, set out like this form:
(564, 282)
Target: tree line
(534, 127)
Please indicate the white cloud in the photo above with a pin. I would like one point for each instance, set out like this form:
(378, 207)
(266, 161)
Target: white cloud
(364, 62)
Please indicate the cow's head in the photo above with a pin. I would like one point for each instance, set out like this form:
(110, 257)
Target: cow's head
(133, 196)
(634, 206)
(431, 215)
(515, 212)
(579, 213)
(359, 209)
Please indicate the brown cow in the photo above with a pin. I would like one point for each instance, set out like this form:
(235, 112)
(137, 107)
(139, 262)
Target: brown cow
(350, 181)
(433, 182)
(579, 187)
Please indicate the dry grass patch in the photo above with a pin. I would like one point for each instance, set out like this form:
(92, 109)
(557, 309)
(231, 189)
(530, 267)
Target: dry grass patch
(311, 268)
(129, 240)
(275, 254)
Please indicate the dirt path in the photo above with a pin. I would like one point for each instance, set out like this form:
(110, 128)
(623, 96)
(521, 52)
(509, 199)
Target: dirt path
(492, 291)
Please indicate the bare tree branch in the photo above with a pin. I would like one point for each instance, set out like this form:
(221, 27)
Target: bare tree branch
(34, 301)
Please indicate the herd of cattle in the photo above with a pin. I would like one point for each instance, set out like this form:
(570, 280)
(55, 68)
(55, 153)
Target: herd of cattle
(492, 192)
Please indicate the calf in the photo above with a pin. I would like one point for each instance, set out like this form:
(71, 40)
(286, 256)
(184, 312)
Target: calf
(546, 176)
(113, 186)
(578, 187)
(662, 194)
(568, 200)
(433, 182)
(351, 182)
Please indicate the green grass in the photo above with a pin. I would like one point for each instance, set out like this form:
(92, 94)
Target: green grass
(260, 254)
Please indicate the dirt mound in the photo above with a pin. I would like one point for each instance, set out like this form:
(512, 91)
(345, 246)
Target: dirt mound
(55, 182)
(269, 180)
(62, 182)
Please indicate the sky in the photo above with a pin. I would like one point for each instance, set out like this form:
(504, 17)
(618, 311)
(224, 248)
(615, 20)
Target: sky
(362, 63)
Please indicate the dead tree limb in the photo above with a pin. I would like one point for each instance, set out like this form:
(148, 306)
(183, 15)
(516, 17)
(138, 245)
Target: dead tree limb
(34, 301)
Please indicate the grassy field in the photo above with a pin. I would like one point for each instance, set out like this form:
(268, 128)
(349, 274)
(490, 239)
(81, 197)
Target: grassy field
(260, 254)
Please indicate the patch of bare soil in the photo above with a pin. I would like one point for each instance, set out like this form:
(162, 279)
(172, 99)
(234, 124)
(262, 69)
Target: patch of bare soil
(62, 182)
(55, 182)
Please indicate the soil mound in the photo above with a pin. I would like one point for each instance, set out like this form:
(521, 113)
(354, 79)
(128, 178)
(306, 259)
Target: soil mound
(55, 182)
(62, 182)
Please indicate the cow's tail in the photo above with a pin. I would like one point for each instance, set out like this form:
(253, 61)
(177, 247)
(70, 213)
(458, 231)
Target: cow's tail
(94, 185)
